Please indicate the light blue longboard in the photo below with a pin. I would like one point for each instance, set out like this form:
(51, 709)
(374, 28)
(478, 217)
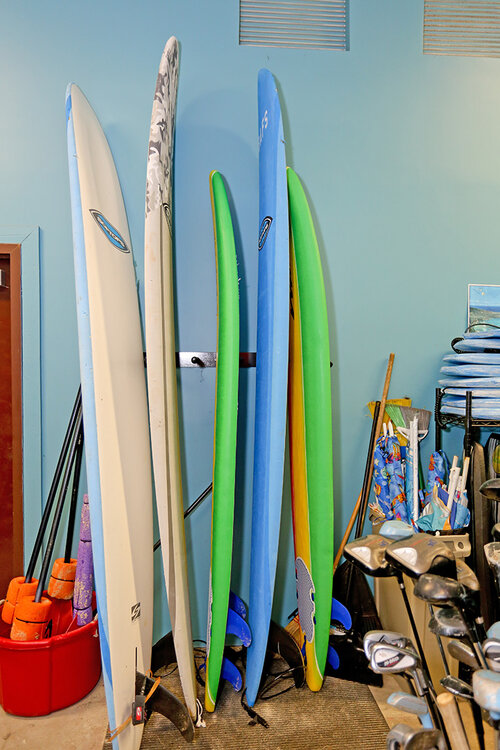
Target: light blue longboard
(115, 415)
(271, 375)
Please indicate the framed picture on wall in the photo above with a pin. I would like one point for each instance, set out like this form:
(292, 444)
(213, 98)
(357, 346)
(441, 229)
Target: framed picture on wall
(484, 306)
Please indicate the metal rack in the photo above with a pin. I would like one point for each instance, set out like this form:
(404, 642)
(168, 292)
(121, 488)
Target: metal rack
(467, 422)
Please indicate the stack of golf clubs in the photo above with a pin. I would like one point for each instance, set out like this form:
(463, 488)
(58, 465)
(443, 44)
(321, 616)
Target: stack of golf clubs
(451, 591)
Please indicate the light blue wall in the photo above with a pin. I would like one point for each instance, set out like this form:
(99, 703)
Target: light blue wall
(400, 156)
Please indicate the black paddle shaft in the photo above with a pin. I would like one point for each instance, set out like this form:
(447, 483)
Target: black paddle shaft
(74, 495)
(53, 488)
(367, 479)
(59, 508)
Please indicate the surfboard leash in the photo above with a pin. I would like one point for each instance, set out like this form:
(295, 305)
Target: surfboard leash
(256, 718)
(113, 734)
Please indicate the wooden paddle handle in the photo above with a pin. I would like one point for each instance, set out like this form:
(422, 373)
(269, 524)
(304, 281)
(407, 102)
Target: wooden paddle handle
(380, 420)
(385, 392)
(452, 721)
(383, 401)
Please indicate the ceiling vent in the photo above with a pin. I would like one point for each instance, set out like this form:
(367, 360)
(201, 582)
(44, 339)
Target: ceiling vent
(468, 27)
(311, 24)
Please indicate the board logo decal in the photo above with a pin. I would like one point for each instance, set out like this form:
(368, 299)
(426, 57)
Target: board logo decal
(264, 230)
(305, 598)
(109, 230)
(135, 612)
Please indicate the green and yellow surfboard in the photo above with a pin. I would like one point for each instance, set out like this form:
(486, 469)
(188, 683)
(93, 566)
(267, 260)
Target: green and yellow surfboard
(310, 431)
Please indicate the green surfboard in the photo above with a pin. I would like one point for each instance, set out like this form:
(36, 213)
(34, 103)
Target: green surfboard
(226, 414)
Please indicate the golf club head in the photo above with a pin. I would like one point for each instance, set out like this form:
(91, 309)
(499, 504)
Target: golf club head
(368, 553)
(448, 622)
(491, 489)
(386, 658)
(466, 576)
(384, 636)
(491, 648)
(495, 532)
(494, 630)
(464, 653)
(403, 737)
(422, 553)
(437, 589)
(411, 704)
(492, 554)
(396, 530)
(486, 687)
(457, 687)
(440, 590)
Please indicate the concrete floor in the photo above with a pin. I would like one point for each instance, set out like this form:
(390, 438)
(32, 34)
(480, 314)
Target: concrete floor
(83, 726)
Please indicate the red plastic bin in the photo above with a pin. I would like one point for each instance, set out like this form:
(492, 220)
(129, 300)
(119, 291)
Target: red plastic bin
(38, 677)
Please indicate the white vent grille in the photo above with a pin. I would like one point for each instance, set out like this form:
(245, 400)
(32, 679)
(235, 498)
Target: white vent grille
(468, 27)
(313, 24)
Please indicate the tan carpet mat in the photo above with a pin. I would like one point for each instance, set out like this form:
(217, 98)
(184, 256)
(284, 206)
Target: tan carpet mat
(342, 716)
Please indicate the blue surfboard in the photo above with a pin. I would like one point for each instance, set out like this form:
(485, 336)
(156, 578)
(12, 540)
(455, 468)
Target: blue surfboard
(271, 374)
(492, 333)
(473, 371)
(477, 403)
(477, 412)
(487, 393)
(473, 358)
(469, 382)
(478, 345)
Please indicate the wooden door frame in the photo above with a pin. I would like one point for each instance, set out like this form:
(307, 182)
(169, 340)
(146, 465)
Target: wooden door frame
(13, 253)
(28, 239)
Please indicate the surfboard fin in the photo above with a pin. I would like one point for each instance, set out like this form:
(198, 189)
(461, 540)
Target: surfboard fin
(282, 643)
(333, 658)
(163, 653)
(237, 626)
(231, 673)
(165, 703)
(237, 604)
(341, 614)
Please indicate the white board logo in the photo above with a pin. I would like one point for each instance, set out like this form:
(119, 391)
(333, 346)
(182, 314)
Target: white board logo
(264, 231)
(263, 125)
(112, 234)
(135, 612)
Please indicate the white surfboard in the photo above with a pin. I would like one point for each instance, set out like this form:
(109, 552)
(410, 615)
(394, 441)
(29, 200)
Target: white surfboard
(115, 414)
(161, 366)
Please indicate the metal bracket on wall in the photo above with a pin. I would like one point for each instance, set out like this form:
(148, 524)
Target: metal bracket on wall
(207, 359)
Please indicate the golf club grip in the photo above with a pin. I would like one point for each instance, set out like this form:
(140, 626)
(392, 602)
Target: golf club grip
(453, 721)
